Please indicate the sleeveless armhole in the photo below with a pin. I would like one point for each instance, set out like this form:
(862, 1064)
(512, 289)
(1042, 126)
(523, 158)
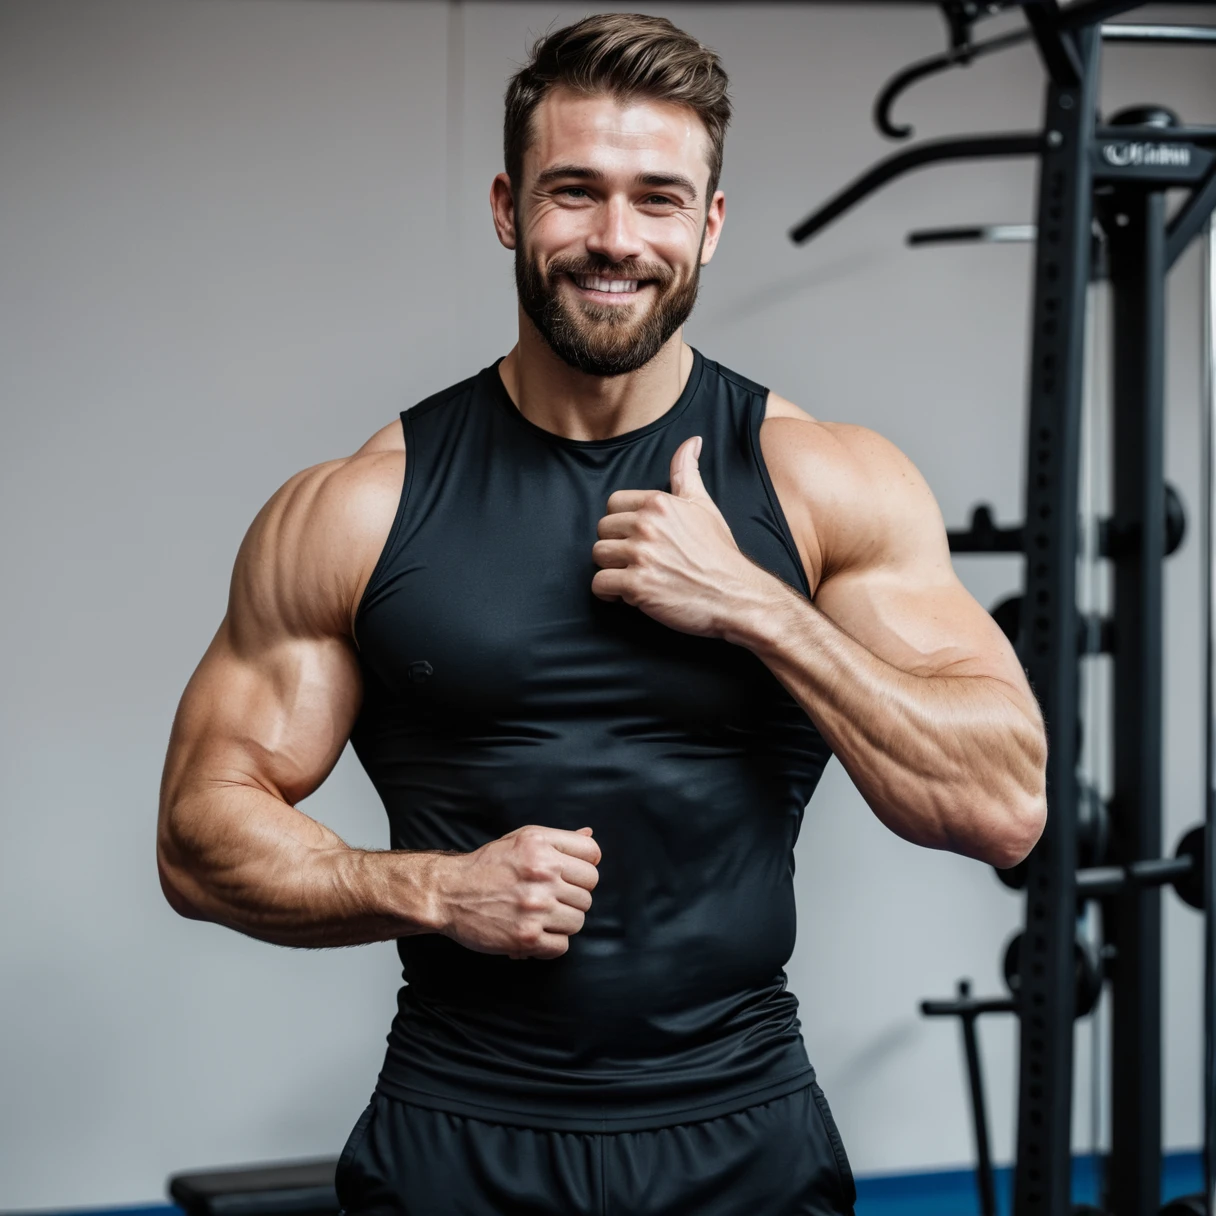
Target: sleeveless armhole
(758, 409)
(389, 551)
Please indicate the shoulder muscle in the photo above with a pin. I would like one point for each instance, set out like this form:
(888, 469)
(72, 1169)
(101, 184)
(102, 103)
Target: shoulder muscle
(854, 500)
(307, 556)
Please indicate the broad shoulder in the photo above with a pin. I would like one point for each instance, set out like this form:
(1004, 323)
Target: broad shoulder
(847, 456)
(390, 438)
(310, 551)
(852, 498)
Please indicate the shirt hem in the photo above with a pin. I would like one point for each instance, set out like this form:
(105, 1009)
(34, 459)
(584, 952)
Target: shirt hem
(569, 1120)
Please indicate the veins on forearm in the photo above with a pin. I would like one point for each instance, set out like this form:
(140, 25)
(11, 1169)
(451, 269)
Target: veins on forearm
(273, 873)
(929, 745)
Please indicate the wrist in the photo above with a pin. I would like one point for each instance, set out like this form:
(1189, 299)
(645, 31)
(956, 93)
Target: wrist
(428, 905)
(756, 617)
(406, 887)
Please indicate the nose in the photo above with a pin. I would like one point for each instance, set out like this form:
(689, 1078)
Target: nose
(613, 236)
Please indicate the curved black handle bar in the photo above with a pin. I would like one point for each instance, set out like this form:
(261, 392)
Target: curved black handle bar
(968, 147)
(902, 81)
(961, 56)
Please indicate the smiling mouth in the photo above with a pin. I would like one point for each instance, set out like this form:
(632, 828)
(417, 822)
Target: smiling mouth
(607, 286)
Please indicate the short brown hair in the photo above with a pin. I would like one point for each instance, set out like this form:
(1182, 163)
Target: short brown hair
(626, 55)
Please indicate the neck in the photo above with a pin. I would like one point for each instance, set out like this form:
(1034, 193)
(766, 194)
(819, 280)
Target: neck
(572, 404)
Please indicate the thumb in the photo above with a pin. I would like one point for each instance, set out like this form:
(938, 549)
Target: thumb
(583, 832)
(685, 472)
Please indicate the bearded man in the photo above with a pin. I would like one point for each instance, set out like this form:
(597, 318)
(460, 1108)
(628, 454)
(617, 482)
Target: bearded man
(594, 621)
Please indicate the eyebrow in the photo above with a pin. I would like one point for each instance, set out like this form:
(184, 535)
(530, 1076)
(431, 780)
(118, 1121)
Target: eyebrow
(583, 173)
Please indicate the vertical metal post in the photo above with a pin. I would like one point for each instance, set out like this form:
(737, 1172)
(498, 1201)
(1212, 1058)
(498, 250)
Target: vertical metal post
(1207, 415)
(1042, 1179)
(1133, 918)
(984, 1180)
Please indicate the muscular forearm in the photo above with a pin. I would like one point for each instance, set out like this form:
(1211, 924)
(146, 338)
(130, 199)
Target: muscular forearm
(947, 761)
(241, 857)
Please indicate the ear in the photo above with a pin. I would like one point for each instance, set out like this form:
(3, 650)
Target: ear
(502, 208)
(715, 217)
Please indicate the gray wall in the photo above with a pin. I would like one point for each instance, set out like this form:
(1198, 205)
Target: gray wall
(237, 237)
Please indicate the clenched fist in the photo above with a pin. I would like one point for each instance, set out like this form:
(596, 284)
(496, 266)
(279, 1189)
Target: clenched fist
(522, 895)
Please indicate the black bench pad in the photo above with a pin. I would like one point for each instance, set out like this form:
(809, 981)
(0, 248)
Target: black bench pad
(292, 1188)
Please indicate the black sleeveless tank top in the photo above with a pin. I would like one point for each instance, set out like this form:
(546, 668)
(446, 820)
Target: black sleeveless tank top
(499, 691)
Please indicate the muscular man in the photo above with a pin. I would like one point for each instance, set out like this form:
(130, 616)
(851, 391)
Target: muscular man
(594, 620)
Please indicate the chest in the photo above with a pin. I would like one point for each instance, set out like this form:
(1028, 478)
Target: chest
(490, 614)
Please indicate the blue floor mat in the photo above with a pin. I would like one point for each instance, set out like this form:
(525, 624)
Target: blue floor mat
(954, 1193)
(929, 1194)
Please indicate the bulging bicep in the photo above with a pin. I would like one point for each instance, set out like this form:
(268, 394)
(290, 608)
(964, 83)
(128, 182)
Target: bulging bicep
(255, 733)
(273, 701)
(275, 718)
(884, 575)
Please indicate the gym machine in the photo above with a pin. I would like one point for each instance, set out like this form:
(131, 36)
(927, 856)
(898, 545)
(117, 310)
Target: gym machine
(1101, 215)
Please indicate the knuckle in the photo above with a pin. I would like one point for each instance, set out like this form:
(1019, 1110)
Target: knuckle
(532, 902)
(534, 851)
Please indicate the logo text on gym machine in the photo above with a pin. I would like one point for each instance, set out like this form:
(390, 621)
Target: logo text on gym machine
(1123, 154)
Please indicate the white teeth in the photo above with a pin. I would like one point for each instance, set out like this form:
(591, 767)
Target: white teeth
(590, 282)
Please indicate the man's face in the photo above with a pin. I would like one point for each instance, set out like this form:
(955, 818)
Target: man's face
(611, 226)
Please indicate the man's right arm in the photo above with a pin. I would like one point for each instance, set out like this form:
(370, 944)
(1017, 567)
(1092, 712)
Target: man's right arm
(265, 718)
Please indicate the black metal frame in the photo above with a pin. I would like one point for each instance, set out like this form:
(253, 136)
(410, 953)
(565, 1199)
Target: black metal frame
(1043, 1173)
(1117, 174)
(1132, 917)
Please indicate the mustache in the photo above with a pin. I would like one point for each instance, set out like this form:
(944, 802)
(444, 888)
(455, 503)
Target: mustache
(650, 272)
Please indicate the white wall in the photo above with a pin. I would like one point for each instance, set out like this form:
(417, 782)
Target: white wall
(236, 237)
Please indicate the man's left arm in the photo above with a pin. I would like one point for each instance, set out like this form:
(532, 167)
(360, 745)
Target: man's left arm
(906, 676)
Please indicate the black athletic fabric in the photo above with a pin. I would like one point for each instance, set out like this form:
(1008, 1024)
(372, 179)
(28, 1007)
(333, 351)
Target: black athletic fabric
(499, 691)
(780, 1158)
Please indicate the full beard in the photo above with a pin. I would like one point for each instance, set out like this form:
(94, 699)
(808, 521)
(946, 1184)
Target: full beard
(603, 340)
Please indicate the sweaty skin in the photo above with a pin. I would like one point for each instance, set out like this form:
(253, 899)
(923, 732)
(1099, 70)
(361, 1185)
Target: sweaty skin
(905, 675)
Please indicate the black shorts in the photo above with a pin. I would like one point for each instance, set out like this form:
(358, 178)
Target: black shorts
(780, 1158)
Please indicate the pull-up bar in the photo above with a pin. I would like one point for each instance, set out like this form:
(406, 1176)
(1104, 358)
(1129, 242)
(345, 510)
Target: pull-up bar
(968, 53)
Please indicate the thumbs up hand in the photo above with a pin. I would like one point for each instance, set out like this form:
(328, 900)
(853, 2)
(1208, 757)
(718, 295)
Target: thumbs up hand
(673, 555)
